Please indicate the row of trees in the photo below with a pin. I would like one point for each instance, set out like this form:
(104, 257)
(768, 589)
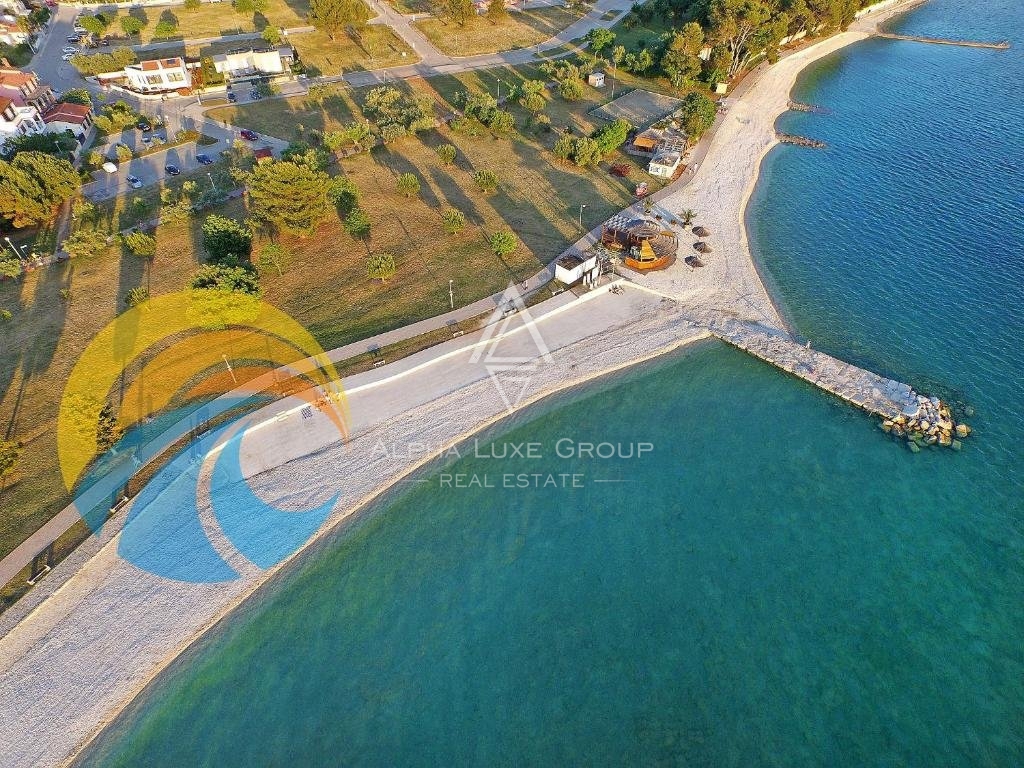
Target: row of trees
(717, 39)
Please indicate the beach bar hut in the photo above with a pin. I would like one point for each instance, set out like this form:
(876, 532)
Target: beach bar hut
(573, 267)
(645, 245)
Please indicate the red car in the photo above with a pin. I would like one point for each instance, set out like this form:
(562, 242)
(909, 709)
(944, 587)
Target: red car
(249, 135)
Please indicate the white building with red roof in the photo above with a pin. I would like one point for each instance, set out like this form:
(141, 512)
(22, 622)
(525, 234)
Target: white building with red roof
(75, 119)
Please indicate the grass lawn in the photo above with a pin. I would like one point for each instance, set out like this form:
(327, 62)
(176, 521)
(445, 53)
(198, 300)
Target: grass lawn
(377, 46)
(412, 6)
(216, 19)
(644, 35)
(326, 287)
(480, 35)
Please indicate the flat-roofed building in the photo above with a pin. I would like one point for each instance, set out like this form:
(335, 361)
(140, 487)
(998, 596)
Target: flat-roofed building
(245, 62)
(159, 75)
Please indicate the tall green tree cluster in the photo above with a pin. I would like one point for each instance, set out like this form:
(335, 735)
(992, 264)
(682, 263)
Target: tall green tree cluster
(33, 185)
(333, 16)
(459, 11)
(292, 197)
(397, 113)
(226, 240)
(98, 63)
(681, 62)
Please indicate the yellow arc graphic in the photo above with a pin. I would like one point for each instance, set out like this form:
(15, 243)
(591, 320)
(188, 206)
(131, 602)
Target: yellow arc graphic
(185, 336)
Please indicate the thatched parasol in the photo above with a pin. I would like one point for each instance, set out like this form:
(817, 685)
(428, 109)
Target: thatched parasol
(694, 261)
(702, 231)
(702, 247)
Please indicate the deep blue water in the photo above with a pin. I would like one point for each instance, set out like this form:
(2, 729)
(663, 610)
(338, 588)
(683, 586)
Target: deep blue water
(777, 583)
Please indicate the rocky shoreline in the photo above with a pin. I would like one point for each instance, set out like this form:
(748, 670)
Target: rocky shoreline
(933, 424)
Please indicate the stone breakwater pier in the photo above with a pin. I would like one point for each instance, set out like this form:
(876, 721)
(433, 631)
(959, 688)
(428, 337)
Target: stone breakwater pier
(904, 413)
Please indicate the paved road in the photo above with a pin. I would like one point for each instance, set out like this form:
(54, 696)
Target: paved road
(433, 62)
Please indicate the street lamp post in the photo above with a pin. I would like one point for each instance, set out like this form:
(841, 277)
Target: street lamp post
(20, 255)
(210, 177)
(582, 206)
(451, 293)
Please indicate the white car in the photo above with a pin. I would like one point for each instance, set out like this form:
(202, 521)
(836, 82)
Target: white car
(69, 49)
(68, 56)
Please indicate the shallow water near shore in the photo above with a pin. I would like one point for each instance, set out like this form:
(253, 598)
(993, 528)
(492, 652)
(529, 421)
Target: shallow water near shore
(776, 583)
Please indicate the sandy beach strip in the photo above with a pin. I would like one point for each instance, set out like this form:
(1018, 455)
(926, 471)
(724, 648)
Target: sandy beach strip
(80, 656)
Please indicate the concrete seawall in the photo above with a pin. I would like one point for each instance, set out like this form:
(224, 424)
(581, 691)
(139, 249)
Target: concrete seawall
(876, 394)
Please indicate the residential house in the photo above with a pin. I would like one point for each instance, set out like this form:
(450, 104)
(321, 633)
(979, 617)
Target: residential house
(10, 31)
(18, 121)
(159, 75)
(75, 119)
(25, 89)
(248, 62)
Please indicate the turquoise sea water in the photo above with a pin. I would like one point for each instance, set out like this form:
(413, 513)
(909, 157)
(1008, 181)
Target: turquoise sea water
(777, 583)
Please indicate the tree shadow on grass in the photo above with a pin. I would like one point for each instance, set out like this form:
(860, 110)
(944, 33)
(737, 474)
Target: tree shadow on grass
(399, 164)
(48, 314)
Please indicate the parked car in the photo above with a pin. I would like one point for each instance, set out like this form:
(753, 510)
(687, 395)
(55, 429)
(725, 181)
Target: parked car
(248, 135)
(172, 170)
(69, 49)
(232, 98)
(135, 181)
(147, 140)
(109, 167)
(204, 159)
(68, 56)
(74, 38)
(144, 125)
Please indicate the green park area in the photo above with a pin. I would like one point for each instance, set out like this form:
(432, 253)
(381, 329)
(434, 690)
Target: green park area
(486, 34)
(323, 279)
(394, 192)
(203, 20)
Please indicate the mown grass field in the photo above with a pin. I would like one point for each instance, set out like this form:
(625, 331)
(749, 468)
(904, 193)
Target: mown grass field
(213, 20)
(326, 287)
(376, 46)
(520, 29)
